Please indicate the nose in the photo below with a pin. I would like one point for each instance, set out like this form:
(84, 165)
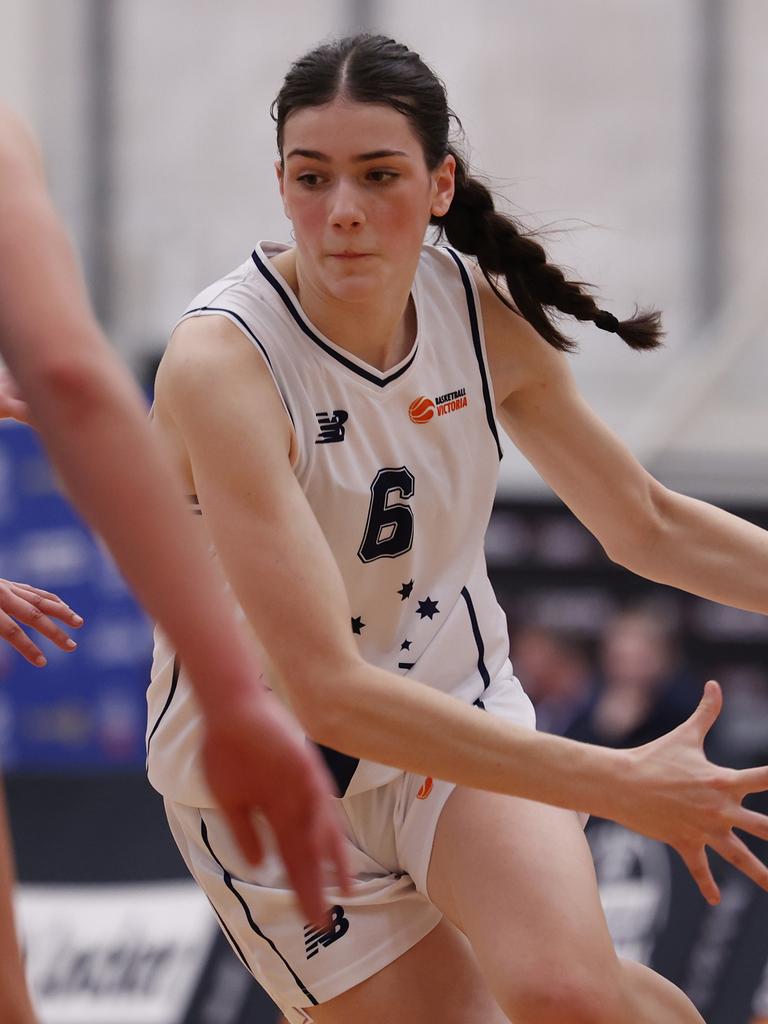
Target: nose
(346, 209)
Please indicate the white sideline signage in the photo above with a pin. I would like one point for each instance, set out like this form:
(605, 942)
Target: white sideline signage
(114, 954)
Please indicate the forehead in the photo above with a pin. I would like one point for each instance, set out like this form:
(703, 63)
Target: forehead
(344, 128)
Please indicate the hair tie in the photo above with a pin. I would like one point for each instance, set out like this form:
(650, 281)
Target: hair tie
(607, 322)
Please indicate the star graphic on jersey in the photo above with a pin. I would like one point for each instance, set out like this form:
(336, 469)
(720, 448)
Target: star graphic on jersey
(405, 645)
(358, 625)
(428, 608)
(405, 591)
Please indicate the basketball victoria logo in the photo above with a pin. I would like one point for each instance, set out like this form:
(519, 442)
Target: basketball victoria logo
(422, 409)
(323, 935)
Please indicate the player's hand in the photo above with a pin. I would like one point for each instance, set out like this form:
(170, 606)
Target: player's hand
(676, 795)
(256, 760)
(33, 607)
(12, 406)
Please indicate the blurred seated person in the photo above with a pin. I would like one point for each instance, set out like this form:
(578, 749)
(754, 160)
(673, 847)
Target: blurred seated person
(557, 673)
(642, 687)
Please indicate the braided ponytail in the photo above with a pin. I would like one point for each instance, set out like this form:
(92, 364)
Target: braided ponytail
(475, 227)
(376, 69)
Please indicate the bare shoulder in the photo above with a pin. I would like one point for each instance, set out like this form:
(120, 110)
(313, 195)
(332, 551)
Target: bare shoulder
(208, 353)
(211, 375)
(519, 358)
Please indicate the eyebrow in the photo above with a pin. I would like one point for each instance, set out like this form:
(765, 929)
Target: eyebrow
(376, 154)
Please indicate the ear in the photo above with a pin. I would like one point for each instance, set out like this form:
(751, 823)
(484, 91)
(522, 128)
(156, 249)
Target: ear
(443, 186)
(280, 172)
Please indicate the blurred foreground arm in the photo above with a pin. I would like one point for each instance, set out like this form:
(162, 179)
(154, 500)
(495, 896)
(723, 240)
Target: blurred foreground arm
(93, 423)
(15, 1007)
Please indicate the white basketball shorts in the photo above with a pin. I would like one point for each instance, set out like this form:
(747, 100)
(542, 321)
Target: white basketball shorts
(390, 831)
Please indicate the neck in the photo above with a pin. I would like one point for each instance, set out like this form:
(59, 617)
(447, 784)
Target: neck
(380, 331)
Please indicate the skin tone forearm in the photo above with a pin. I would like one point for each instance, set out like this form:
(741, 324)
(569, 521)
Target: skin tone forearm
(706, 551)
(15, 1007)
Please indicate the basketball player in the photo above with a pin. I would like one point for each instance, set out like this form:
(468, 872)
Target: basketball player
(334, 407)
(93, 423)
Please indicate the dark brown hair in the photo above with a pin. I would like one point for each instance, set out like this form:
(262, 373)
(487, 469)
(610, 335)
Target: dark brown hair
(375, 69)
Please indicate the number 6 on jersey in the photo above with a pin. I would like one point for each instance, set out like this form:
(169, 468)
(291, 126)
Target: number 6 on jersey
(389, 530)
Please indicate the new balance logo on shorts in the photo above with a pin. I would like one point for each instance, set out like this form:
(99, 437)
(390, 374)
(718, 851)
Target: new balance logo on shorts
(331, 427)
(315, 937)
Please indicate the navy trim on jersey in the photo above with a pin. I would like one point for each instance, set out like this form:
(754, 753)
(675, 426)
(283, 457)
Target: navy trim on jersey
(479, 704)
(246, 909)
(244, 325)
(231, 938)
(475, 326)
(291, 307)
(341, 766)
(171, 692)
(481, 667)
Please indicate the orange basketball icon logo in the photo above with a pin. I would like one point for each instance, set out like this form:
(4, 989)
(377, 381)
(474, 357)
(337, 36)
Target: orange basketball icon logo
(426, 789)
(421, 410)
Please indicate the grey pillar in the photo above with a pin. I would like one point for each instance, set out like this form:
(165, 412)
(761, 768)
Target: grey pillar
(710, 156)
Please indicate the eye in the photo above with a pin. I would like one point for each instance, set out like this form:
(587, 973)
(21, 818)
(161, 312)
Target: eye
(383, 177)
(309, 179)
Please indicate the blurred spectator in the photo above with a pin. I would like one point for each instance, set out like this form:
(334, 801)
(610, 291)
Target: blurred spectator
(642, 687)
(555, 671)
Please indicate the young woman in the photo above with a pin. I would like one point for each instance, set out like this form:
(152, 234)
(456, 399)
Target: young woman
(334, 407)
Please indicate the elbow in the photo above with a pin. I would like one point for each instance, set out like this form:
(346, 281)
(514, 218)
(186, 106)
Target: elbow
(635, 544)
(323, 709)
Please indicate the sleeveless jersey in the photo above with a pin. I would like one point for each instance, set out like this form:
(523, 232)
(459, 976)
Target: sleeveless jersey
(400, 469)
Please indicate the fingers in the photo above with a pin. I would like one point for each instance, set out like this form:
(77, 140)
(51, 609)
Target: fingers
(736, 852)
(753, 780)
(338, 856)
(49, 604)
(710, 706)
(300, 848)
(28, 609)
(244, 831)
(697, 863)
(14, 635)
(753, 822)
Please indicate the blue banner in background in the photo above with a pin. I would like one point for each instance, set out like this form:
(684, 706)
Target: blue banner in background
(86, 708)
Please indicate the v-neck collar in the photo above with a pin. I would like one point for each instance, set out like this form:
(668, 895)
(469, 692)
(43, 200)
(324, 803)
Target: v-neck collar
(347, 359)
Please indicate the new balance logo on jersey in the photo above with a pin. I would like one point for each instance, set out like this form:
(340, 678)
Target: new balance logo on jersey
(315, 937)
(331, 427)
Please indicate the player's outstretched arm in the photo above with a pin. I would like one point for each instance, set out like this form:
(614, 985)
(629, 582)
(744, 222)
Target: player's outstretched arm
(285, 577)
(93, 423)
(15, 1006)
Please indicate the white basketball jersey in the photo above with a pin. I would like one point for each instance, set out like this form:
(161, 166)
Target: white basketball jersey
(400, 469)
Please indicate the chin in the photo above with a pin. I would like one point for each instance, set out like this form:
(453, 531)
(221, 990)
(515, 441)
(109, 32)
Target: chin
(355, 288)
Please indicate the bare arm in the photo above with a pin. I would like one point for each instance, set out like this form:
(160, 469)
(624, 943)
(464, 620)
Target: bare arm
(93, 422)
(654, 532)
(283, 572)
(15, 1007)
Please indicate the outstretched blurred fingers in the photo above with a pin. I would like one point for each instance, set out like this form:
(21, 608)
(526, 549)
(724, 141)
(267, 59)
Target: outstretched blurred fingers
(14, 635)
(698, 864)
(336, 853)
(753, 780)
(752, 822)
(244, 831)
(300, 851)
(31, 614)
(741, 857)
(49, 604)
(706, 714)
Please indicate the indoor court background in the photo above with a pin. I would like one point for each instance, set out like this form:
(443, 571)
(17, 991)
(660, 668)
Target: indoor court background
(633, 133)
